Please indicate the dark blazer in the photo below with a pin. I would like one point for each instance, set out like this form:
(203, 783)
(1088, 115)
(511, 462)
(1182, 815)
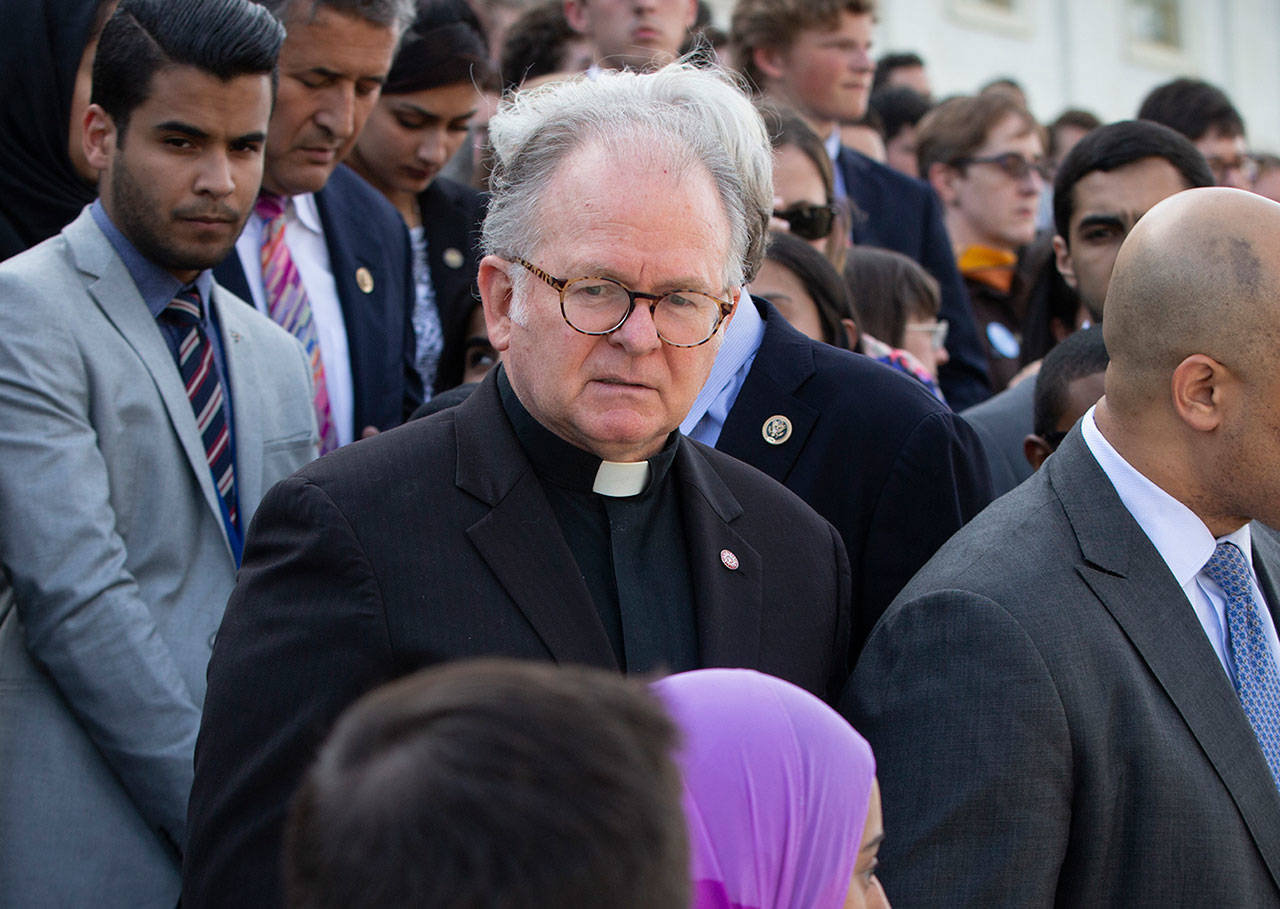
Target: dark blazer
(1051, 724)
(451, 216)
(363, 231)
(899, 213)
(870, 450)
(435, 542)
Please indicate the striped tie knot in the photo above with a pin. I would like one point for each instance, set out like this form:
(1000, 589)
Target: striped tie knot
(185, 308)
(270, 205)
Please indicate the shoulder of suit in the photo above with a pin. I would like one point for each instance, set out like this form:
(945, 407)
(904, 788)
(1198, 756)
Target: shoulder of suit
(356, 204)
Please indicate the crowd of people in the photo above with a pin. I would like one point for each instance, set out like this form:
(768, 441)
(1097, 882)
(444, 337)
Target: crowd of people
(547, 453)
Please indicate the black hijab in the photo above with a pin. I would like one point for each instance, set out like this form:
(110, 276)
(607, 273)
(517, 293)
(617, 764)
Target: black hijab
(41, 42)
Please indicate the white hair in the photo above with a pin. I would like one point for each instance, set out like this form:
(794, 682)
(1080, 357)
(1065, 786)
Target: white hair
(695, 116)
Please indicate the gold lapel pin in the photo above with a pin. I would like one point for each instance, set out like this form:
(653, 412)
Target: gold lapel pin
(453, 258)
(776, 429)
(364, 280)
(729, 559)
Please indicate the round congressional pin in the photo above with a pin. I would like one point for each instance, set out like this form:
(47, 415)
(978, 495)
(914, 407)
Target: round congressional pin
(730, 560)
(453, 258)
(776, 429)
(364, 280)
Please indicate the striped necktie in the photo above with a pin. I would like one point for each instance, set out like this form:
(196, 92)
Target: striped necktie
(288, 306)
(1257, 681)
(204, 391)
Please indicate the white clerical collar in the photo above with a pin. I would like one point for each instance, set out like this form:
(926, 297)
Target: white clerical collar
(620, 479)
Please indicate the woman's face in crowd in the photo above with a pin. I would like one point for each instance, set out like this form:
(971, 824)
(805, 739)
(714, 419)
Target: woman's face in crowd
(917, 340)
(780, 286)
(865, 891)
(797, 180)
(409, 137)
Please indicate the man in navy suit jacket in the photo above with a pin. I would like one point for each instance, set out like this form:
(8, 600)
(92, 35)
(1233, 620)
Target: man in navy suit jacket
(349, 245)
(796, 52)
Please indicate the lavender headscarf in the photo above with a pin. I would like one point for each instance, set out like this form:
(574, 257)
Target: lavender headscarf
(776, 790)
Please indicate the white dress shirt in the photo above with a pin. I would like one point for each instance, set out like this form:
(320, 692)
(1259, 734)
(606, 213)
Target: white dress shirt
(733, 361)
(304, 235)
(1182, 540)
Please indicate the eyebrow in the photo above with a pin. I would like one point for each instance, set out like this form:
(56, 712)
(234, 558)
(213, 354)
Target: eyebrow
(408, 107)
(873, 844)
(177, 126)
(1102, 220)
(380, 78)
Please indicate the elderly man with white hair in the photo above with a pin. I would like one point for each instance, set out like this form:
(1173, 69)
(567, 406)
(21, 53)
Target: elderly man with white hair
(558, 514)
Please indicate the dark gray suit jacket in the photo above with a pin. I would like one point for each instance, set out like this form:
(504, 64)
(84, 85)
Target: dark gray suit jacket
(1051, 724)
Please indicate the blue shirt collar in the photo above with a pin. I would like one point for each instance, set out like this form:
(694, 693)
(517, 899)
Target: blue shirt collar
(156, 285)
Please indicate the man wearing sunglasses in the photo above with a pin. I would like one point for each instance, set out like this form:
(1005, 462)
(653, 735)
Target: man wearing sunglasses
(984, 158)
(557, 514)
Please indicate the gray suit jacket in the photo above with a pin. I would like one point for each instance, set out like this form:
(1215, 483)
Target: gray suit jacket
(1002, 421)
(116, 565)
(1051, 724)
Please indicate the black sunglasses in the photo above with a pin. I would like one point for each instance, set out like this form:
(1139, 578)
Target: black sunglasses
(809, 222)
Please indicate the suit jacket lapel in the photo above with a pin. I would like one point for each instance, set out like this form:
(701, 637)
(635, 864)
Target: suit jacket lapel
(727, 599)
(519, 538)
(782, 364)
(1126, 573)
(116, 294)
(246, 398)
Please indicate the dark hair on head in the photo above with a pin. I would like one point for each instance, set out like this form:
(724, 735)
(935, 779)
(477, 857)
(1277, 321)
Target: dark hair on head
(224, 38)
(1073, 118)
(1080, 354)
(1115, 145)
(393, 14)
(1267, 162)
(493, 783)
(889, 62)
(444, 46)
(758, 24)
(959, 126)
(820, 279)
(887, 289)
(1193, 107)
(535, 44)
(898, 107)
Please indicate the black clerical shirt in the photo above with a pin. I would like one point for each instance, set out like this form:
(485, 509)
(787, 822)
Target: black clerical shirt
(630, 550)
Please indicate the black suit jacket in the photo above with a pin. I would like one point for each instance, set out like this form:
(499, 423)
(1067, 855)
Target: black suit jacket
(452, 214)
(902, 214)
(436, 542)
(870, 450)
(1051, 724)
(364, 232)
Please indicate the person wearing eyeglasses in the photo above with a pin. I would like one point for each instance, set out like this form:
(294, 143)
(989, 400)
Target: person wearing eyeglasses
(804, 200)
(984, 157)
(1204, 114)
(557, 514)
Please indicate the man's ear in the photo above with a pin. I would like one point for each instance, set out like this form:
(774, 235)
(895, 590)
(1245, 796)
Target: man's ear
(942, 178)
(1200, 388)
(1035, 449)
(772, 61)
(494, 281)
(575, 13)
(1062, 256)
(100, 139)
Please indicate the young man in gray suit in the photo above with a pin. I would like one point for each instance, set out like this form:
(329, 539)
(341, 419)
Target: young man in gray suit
(144, 411)
(1076, 702)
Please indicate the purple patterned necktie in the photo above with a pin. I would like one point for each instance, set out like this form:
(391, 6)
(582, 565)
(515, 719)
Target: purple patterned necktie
(1257, 681)
(288, 306)
(204, 391)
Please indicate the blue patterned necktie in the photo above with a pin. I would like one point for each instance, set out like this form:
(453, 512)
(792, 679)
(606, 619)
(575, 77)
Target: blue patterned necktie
(1257, 681)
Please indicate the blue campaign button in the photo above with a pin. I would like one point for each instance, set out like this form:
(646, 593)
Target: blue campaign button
(1003, 341)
